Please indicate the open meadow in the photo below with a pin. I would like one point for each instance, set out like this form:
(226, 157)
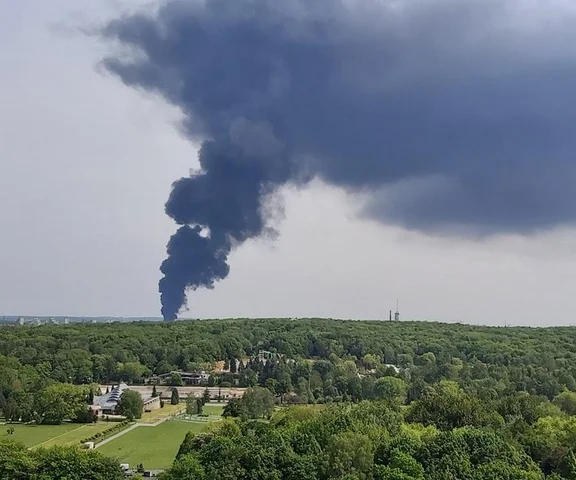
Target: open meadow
(160, 413)
(213, 409)
(32, 435)
(155, 447)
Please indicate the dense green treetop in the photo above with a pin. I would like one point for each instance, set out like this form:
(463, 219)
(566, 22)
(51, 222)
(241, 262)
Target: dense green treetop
(541, 361)
(55, 463)
(131, 404)
(386, 400)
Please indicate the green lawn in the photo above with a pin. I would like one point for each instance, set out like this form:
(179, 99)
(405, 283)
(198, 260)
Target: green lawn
(49, 435)
(155, 447)
(211, 409)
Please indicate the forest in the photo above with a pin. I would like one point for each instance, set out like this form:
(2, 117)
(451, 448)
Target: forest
(336, 400)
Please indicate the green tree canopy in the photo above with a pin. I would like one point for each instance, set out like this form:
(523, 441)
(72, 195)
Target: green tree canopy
(131, 404)
(175, 397)
(59, 402)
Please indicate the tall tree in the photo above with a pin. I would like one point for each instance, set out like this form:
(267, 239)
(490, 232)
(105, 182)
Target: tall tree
(191, 405)
(131, 405)
(258, 402)
(59, 402)
(175, 380)
(175, 397)
(206, 397)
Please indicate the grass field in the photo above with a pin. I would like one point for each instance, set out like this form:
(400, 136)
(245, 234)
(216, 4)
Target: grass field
(212, 409)
(155, 415)
(155, 447)
(49, 435)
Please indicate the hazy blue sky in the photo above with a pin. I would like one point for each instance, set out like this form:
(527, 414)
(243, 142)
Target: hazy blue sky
(86, 165)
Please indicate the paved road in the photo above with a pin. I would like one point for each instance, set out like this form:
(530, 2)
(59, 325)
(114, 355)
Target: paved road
(165, 391)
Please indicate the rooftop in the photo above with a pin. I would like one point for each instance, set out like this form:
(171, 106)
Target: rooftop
(110, 399)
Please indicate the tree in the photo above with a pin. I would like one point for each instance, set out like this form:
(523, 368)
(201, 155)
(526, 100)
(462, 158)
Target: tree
(175, 380)
(392, 389)
(131, 371)
(350, 453)
(234, 408)
(199, 406)
(16, 462)
(60, 401)
(370, 361)
(448, 407)
(206, 397)
(566, 401)
(74, 464)
(258, 402)
(191, 405)
(233, 365)
(175, 397)
(154, 392)
(185, 467)
(131, 405)
(70, 463)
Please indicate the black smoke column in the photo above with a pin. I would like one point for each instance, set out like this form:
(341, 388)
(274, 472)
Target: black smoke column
(448, 116)
(219, 207)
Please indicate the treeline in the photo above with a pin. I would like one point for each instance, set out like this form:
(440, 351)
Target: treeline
(20, 463)
(446, 434)
(317, 361)
(27, 395)
(445, 401)
(542, 361)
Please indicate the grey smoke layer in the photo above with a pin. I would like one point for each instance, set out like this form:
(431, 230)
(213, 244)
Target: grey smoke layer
(449, 115)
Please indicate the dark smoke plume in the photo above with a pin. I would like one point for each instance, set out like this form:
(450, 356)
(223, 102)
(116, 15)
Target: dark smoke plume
(448, 114)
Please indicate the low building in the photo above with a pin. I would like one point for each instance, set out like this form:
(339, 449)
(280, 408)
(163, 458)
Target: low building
(107, 404)
(189, 378)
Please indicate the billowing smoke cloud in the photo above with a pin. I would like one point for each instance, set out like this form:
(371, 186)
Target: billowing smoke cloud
(447, 114)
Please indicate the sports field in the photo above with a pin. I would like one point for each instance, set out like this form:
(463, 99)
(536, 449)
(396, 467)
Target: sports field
(49, 435)
(154, 447)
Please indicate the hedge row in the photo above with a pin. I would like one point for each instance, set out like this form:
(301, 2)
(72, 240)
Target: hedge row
(105, 433)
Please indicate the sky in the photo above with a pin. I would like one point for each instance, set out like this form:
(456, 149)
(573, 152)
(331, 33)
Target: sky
(86, 165)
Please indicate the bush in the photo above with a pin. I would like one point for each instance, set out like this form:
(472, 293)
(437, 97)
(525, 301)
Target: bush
(106, 432)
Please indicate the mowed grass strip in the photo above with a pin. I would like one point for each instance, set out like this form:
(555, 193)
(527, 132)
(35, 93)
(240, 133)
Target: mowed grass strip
(210, 409)
(49, 435)
(154, 447)
(155, 415)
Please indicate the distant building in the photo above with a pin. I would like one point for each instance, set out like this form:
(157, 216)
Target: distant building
(397, 314)
(189, 378)
(21, 321)
(107, 404)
